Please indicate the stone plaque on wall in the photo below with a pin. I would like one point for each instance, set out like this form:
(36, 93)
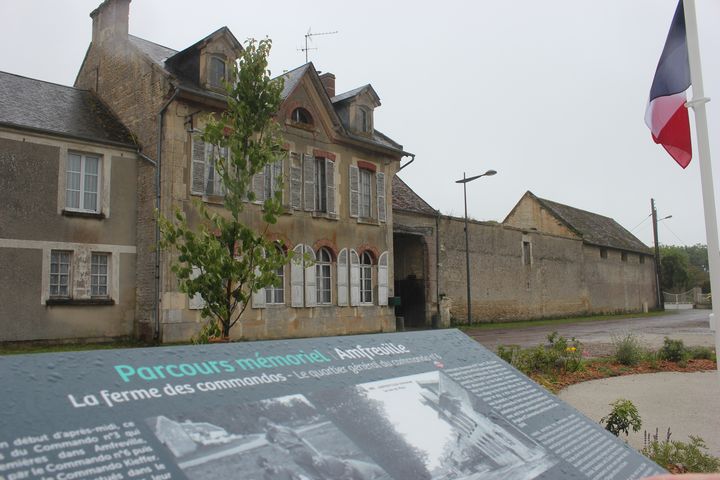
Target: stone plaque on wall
(424, 405)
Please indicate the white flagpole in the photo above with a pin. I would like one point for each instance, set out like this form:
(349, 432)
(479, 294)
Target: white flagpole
(703, 142)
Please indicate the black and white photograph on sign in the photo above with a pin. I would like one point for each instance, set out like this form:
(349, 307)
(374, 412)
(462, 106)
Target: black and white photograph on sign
(284, 438)
(439, 426)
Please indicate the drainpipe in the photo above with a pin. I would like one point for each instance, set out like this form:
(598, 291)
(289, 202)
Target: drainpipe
(158, 170)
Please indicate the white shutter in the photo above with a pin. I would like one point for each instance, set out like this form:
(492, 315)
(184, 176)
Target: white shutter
(258, 186)
(382, 214)
(309, 182)
(383, 279)
(196, 302)
(330, 183)
(258, 298)
(198, 165)
(354, 191)
(297, 277)
(310, 279)
(342, 278)
(354, 278)
(295, 181)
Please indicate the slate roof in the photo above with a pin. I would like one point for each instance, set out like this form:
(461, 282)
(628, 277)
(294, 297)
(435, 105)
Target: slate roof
(595, 229)
(46, 107)
(157, 53)
(405, 199)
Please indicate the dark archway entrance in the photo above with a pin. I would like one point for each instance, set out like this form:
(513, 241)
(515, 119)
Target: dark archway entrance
(410, 261)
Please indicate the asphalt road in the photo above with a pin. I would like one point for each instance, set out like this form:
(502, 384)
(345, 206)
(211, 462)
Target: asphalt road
(691, 326)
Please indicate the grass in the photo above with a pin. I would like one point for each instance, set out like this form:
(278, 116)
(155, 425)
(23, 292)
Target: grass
(556, 321)
(26, 348)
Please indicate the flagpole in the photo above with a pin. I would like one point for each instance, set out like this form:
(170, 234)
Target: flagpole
(703, 142)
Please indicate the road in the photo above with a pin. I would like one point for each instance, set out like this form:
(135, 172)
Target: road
(691, 326)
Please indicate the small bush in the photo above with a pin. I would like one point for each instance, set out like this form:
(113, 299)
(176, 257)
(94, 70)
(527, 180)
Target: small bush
(628, 349)
(209, 331)
(680, 457)
(622, 418)
(701, 353)
(559, 355)
(673, 350)
(509, 353)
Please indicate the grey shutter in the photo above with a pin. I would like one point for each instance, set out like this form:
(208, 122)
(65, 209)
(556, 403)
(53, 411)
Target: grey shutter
(354, 278)
(258, 186)
(310, 279)
(277, 173)
(382, 214)
(196, 302)
(309, 182)
(383, 279)
(297, 277)
(198, 166)
(295, 181)
(330, 183)
(342, 278)
(354, 191)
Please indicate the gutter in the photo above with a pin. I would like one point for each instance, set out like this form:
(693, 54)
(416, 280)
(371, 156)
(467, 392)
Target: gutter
(408, 163)
(158, 170)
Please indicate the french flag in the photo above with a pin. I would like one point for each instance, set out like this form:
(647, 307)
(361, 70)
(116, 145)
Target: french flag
(666, 114)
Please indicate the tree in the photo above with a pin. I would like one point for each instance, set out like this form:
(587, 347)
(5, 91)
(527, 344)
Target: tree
(222, 259)
(684, 267)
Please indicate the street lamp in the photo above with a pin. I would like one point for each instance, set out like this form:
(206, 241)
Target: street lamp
(465, 180)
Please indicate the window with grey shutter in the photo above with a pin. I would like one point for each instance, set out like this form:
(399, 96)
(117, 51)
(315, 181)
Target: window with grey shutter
(309, 182)
(295, 181)
(277, 172)
(354, 278)
(198, 166)
(258, 186)
(354, 191)
(330, 182)
(342, 278)
(383, 279)
(382, 214)
(297, 277)
(310, 278)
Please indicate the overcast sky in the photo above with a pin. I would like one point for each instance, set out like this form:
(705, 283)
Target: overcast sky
(551, 94)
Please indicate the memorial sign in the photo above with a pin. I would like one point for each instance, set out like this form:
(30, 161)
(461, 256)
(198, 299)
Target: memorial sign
(405, 406)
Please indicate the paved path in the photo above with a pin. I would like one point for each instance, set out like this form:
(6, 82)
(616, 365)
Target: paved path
(691, 326)
(687, 403)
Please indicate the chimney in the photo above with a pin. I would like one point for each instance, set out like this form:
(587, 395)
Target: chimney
(328, 81)
(110, 20)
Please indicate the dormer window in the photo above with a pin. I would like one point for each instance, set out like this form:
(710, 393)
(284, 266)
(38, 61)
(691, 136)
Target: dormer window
(364, 121)
(217, 72)
(300, 115)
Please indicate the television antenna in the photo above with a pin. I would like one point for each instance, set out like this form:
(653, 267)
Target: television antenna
(308, 36)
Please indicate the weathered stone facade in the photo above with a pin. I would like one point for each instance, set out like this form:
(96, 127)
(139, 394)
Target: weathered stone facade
(161, 93)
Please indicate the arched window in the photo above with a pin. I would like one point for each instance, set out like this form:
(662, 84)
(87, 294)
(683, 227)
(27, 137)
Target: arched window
(323, 270)
(217, 72)
(300, 115)
(366, 287)
(275, 294)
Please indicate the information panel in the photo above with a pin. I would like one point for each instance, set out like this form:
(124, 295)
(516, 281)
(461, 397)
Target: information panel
(404, 406)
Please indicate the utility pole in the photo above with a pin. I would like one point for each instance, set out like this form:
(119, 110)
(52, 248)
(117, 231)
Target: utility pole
(658, 289)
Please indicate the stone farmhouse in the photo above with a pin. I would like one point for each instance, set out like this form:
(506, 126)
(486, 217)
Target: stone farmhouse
(337, 183)
(84, 169)
(545, 259)
(68, 171)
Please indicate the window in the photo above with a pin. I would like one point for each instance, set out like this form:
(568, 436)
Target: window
(323, 277)
(320, 186)
(527, 253)
(300, 115)
(365, 193)
(623, 256)
(642, 259)
(275, 294)
(366, 278)
(363, 120)
(272, 175)
(217, 72)
(60, 273)
(205, 177)
(603, 253)
(99, 275)
(82, 184)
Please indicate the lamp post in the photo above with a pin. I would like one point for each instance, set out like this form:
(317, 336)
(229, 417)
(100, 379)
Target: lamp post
(465, 180)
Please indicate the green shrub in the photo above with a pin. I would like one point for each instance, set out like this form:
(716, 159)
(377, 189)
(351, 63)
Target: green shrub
(702, 353)
(690, 457)
(210, 330)
(622, 418)
(559, 355)
(628, 349)
(673, 350)
(509, 353)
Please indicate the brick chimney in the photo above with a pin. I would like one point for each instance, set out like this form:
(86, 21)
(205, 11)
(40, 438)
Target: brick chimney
(110, 20)
(328, 81)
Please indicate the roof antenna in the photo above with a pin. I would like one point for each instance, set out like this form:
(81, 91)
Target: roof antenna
(308, 36)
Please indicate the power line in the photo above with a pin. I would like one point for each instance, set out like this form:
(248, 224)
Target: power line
(644, 220)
